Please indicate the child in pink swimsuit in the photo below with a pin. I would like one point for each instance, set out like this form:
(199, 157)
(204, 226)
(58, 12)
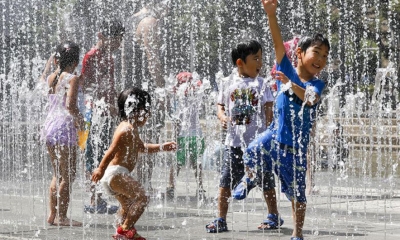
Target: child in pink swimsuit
(60, 131)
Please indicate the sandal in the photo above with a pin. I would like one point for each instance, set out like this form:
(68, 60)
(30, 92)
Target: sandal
(127, 234)
(218, 225)
(272, 222)
(243, 188)
(296, 238)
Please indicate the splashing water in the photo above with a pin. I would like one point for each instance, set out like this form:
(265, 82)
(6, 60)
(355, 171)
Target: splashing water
(350, 198)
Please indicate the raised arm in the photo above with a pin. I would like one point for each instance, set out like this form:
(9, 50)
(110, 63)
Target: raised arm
(270, 7)
(47, 69)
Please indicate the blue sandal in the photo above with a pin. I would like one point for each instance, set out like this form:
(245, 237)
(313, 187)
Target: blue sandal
(218, 225)
(272, 222)
(243, 188)
(296, 238)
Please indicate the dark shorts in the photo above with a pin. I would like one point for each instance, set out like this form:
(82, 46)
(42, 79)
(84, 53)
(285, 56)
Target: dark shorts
(232, 171)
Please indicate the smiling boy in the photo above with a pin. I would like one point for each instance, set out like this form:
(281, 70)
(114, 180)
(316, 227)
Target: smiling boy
(244, 110)
(284, 145)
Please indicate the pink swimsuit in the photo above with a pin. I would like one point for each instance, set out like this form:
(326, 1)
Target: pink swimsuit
(59, 126)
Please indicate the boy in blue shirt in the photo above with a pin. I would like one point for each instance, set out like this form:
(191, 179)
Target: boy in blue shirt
(245, 110)
(284, 144)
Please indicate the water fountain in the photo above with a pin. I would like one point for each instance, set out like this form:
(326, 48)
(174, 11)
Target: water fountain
(355, 200)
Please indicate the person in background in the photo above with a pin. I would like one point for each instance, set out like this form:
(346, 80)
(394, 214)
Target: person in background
(100, 93)
(187, 105)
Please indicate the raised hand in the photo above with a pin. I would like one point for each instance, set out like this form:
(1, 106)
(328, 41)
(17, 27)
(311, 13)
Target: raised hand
(225, 121)
(270, 6)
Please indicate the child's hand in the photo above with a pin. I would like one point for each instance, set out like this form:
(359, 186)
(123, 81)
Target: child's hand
(168, 146)
(281, 77)
(224, 121)
(270, 6)
(97, 175)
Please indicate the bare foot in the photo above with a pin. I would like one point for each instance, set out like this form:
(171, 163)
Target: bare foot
(51, 218)
(67, 222)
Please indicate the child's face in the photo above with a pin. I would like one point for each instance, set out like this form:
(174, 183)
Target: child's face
(113, 43)
(314, 59)
(140, 117)
(252, 66)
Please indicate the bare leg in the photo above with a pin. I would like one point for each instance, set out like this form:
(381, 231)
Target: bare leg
(171, 177)
(299, 213)
(132, 197)
(67, 172)
(223, 205)
(53, 185)
(200, 177)
(270, 199)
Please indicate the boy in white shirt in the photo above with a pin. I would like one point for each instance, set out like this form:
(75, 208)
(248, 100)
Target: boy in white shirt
(245, 110)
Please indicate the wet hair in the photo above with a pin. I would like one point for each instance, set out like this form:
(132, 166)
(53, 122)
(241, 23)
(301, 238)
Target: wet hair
(244, 49)
(67, 54)
(317, 40)
(112, 28)
(133, 100)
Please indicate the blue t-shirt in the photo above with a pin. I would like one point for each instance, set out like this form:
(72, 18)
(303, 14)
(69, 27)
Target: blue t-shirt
(292, 119)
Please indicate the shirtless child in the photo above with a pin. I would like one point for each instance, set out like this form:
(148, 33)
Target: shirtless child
(121, 157)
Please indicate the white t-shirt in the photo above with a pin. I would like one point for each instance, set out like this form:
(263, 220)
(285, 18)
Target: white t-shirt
(244, 100)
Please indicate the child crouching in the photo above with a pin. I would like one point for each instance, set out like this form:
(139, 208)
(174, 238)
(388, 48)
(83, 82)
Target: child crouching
(121, 158)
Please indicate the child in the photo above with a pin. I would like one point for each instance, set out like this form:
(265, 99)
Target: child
(245, 110)
(98, 76)
(60, 131)
(121, 158)
(190, 140)
(285, 142)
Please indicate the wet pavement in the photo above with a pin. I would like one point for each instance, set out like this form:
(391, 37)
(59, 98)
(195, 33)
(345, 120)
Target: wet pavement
(342, 207)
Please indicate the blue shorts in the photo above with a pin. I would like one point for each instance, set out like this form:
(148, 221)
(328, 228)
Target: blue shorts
(232, 171)
(289, 164)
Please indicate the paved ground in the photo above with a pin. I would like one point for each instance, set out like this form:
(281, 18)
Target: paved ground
(346, 207)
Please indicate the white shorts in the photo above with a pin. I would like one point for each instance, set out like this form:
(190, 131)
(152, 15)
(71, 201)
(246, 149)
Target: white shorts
(110, 172)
